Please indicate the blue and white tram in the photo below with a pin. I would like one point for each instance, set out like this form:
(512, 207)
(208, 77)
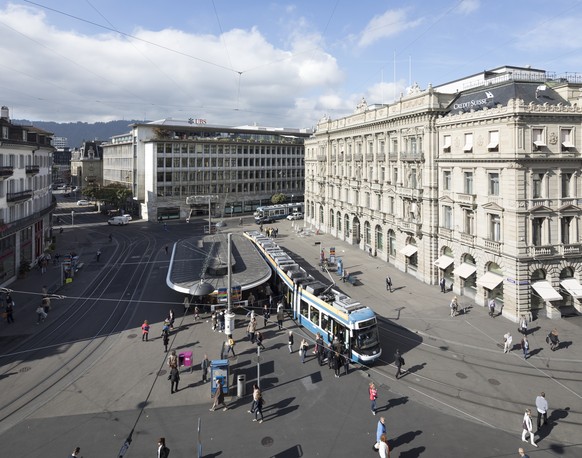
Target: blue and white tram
(321, 309)
(278, 211)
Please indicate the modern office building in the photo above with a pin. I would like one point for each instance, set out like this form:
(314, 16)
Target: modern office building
(60, 142)
(26, 200)
(477, 181)
(178, 169)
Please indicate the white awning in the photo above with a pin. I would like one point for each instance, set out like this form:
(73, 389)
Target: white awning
(539, 143)
(490, 280)
(573, 287)
(409, 250)
(465, 270)
(444, 261)
(468, 147)
(546, 291)
(493, 145)
(567, 145)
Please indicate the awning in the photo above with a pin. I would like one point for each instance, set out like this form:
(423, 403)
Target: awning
(409, 250)
(546, 291)
(493, 145)
(468, 147)
(567, 145)
(573, 287)
(490, 280)
(465, 270)
(539, 143)
(444, 261)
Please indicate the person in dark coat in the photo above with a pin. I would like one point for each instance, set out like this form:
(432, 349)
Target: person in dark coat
(166, 339)
(399, 362)
(204, 365)
(174, 378)
(218, 397)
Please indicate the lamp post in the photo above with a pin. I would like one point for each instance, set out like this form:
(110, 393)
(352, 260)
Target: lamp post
(229, 317)
(292, 195)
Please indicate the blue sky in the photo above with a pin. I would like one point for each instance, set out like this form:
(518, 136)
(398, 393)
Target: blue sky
(282, 64)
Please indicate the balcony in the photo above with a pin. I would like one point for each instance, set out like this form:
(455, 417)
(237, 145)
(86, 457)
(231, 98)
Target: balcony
(392, 156)
(541, 251)
(467, 199)
(467, 239)
(491, 245)
(333, 157)
(369, 157)
(321, 158)
(411, 156)
(358, 157)
(32, 169)
(410, 193)
(6, 171)
(446, 233)
(380, 157)
(570, 250)
(409, 226)
(16, 197)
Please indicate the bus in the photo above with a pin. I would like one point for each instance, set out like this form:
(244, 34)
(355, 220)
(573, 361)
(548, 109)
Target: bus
(278, 211)
(320, 308)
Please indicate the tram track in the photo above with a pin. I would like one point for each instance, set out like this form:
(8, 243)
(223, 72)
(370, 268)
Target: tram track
(28, 395)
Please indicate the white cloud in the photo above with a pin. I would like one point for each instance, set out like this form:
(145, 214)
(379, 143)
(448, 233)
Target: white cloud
(391, 23)
(549, 36)
(468, 6)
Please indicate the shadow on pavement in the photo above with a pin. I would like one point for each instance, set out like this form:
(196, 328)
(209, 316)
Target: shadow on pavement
(293, 452)
(413, 452)
(405, 438)
(394, 402)
(553, 419)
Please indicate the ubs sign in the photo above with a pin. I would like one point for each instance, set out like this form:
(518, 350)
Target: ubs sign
(196, 121)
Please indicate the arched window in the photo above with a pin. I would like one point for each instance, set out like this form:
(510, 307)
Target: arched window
(391, 243)
(379, 238)
(346, 226)
(339, 222)
(331, 219)
(321, 214)
(367, 233)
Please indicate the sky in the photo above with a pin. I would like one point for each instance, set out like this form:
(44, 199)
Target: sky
(269, 63)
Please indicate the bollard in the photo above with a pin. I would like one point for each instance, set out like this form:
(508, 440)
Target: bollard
(240, 385)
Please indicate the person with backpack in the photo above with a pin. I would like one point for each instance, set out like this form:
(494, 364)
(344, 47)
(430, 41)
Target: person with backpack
(163, 451)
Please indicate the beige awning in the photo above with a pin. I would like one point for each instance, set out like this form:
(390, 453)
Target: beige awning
(408, 250)
(546, 291)
(490, 280)
(465, 270)
(493, 145)
(444, 261)
(573, 287)
(567, 145)
(539, 143)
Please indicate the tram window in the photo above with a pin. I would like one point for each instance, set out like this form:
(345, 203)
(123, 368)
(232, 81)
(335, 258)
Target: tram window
(366, 338)
(325, 323)
(304, 310)
(314, 317)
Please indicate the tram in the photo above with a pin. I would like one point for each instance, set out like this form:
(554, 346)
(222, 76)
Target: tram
(320, 308)
(278, 211)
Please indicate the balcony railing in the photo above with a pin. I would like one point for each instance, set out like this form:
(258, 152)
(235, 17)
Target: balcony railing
(540, 251)
(381, 157)
(14, 197)
(369, 157)
(446, 233)
(411, 156)
(409, 226)
(492, 245)
(358, 157)
(321, 157)
(6, 171)
(392, 156)
(32, 169)
(467, 199)
(570, 250)
(467, 239)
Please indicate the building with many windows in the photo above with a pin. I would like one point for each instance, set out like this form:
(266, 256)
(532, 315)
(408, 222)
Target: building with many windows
(26, 200)
(476, 181)
(177, 169)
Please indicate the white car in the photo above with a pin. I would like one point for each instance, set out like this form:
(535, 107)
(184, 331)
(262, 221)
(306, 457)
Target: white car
(129, 218)
(295, 215)
(118, 221)
(82, 202)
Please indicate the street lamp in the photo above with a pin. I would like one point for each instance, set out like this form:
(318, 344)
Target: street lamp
(292, 198)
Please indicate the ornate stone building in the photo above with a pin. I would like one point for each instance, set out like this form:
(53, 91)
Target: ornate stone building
(477, 181)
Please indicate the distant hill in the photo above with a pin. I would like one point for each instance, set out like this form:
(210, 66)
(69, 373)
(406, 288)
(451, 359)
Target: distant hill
(77, 132)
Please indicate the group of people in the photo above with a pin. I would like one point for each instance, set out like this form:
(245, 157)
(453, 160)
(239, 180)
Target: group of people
(542, 419)
(335, 354)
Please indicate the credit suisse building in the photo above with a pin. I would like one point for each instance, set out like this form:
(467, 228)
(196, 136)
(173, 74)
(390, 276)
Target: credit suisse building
(476, 181)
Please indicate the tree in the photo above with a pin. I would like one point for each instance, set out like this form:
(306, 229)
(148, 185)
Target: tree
(278, 198)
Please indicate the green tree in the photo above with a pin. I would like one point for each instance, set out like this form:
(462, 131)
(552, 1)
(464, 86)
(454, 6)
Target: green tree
(278, 198)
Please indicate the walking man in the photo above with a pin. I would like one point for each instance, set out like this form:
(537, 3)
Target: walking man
(388, 284)
(492, 308)
(76, 452)
(527, 428)
(522, 453)
(373, 396)
(523, 325)
(98, 254)
(302, 350)
(443, 285)
(542, 408)
(218, 397)
(454, 305)
(525, 347)
(280, 316)
(290, 342)
(163, 451)
(204, 365)
(508, 342)
(166, 339)
(166, 248)
(174, 378)
(399, 361)
(380, 429)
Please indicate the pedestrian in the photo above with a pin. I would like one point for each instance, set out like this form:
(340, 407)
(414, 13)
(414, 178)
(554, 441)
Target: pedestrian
(174, 378)
(163, 451)
(76, 452)
(507, 342)
(61, 231)
(527, 428)
(221, 322)
(56, 258)
(40, 314)
(346, 361)
(240, 222)
(204, 365)
(443, 285)
(252, 329)
(259, 340)
(145, 331)
(290, 341)
(9, 312)
(218, 397)
(171, 318)
(166, 248)
(214, 321)
(256, 394)
(165, 339)
(259, 408)
(380, 430)
(399, 361)
(553, 339)
(98, 255)
(492, 308)
(454, 305)
(337, 363)
(542, 408)
(373, 396)
(266, 315)
(173, 360)
(388, 284)
(280, 316)
(525, 347)
(230, 345)
(522, 453)
(303, 349)
(384, 448)
(345, 276)
(523, 325)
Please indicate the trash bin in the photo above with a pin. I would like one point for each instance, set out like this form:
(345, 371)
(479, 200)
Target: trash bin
(241, 381)
(185, 359)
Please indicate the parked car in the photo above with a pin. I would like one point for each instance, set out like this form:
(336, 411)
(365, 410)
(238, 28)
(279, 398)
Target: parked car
(265, 220)
(128, 216)
(294, 216)
(118, 221)
(82, 202)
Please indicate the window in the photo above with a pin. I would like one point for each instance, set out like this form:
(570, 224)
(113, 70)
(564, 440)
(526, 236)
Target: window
(447, 217)
(468, 146)
(382, 174)
(395, 176)
(412, 182)
(493, 144)
(412, 145)
(394, 146)
(469, 221)
(447, 180)
(537, 185)
(468, 182)
(538, 138)
(566, 184)
(391, 243)
(495, 228)
(566, 139)
(565, 227)
(537, 231)
(494, 184)
(447, 142)
(379, 238)
(382, 147)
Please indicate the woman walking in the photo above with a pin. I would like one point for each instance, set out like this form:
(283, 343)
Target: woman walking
(527, 428)
(290, 342)
(373, 396)
(218, 397)
(383, 448)
(303, 349)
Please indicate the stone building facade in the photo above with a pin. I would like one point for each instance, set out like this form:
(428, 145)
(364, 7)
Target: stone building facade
(476, 181)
